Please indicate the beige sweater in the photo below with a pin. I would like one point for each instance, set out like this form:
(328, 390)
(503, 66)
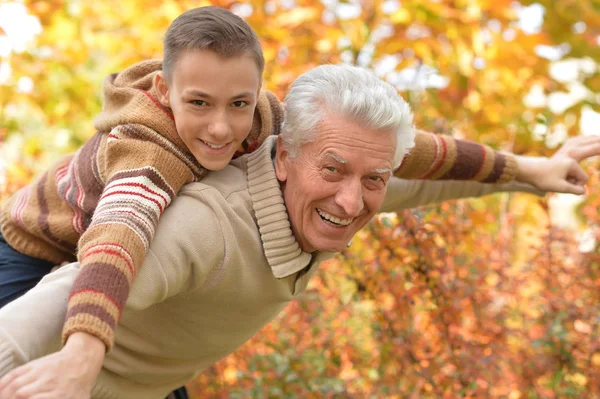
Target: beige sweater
(223, 263)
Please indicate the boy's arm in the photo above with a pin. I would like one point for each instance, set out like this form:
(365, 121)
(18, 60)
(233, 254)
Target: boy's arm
(26, 336)
(442, 157)
(538, 175)
(140, 180)
(187, 246)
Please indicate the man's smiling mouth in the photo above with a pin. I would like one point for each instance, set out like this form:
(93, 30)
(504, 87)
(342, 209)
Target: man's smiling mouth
(333, 220)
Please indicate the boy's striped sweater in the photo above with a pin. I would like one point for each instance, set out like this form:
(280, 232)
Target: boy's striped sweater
(101, 205)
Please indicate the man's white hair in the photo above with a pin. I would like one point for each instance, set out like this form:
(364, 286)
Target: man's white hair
(351, 92)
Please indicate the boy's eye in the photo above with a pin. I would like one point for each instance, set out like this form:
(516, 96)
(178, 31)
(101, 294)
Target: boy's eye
(239, 104)
(199, 103)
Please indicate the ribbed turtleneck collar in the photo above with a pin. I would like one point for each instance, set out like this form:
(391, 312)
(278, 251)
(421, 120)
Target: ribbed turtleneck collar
(281, 248)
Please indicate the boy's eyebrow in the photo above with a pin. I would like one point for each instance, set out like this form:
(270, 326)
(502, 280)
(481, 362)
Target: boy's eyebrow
(200, 93)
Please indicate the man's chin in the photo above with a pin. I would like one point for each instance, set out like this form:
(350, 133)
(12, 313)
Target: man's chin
(333, 247)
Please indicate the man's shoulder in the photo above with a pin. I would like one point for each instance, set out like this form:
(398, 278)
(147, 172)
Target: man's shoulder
(223, 183)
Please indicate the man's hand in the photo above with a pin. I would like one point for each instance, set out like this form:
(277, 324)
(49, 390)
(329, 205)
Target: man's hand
(561, 173)
(68, 374)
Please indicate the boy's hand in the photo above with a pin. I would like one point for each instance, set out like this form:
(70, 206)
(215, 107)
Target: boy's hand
(561, 173)
(67, 374)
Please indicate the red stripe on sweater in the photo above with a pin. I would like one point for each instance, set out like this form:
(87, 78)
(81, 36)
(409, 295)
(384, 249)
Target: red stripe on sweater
(112, 244)
(134, 193)
(112, 252)
(149, 227)
(159, 105)
(89, 290)
(144, 187)
(441, 162)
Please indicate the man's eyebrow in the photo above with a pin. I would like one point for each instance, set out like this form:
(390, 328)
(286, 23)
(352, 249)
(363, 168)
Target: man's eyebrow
(336, 158)
(382, 171)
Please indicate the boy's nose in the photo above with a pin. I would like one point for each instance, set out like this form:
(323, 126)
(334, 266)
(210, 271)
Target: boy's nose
(219, 127)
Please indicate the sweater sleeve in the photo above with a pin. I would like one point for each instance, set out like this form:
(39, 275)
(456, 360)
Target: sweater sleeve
(187, 248)
(441, 157)
(405, 194)
(141, 179)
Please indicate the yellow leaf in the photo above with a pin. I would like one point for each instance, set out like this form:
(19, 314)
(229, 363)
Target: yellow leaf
(577, 379)
(400, 16)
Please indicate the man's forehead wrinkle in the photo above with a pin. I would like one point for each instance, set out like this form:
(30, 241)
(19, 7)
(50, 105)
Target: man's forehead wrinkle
(331, 142)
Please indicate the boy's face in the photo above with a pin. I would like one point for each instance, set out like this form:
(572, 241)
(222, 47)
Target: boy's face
(213, 101)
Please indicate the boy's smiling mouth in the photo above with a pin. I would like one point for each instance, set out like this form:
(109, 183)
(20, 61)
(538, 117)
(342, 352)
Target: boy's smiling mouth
(214, 146)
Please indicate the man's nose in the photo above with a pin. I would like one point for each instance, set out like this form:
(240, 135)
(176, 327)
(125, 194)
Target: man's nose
(219, 127)
(350, 198)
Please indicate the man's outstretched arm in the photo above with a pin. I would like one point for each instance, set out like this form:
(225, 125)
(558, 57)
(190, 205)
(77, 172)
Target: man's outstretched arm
(560, 173)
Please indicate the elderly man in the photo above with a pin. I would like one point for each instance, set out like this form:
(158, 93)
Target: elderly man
(233, 250)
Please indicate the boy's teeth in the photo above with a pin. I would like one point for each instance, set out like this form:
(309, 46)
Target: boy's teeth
(213, 146)
(333, 219)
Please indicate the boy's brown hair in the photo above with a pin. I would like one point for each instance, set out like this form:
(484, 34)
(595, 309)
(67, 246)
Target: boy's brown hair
(210, 28)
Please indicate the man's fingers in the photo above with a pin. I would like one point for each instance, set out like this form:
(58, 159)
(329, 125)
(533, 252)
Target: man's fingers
(31, 390)
(577, 175)
(12, 389)
(570, 188)
(7, 379)
(7, 382)
(586, 151)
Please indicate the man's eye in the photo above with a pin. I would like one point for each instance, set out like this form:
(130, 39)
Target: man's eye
(240, 104)
(331, 169)
(199, 103)
(375, 178)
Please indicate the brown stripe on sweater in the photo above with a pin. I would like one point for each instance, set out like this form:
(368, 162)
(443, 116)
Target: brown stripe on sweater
(135, 224)
(469, 158)
(109, 254)
(497, 170)
(137, 207)
(95, 310)
(43, 217)
(140, 132)
(106, 278)
(89, 175)
(487, 166)
(151, 174)
(94, 297)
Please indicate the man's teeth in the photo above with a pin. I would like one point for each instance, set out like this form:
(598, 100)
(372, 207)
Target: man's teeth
(333, 219)
(214, 146)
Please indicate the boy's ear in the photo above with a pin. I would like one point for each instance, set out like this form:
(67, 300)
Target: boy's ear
(162, 89)
(259, 87)
(281, 161)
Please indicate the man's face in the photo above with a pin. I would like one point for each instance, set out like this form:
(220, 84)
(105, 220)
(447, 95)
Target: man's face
(213, 101)
(335, 184)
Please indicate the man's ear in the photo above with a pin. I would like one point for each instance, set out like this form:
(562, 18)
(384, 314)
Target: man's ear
(162, 88)
(282, 158)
